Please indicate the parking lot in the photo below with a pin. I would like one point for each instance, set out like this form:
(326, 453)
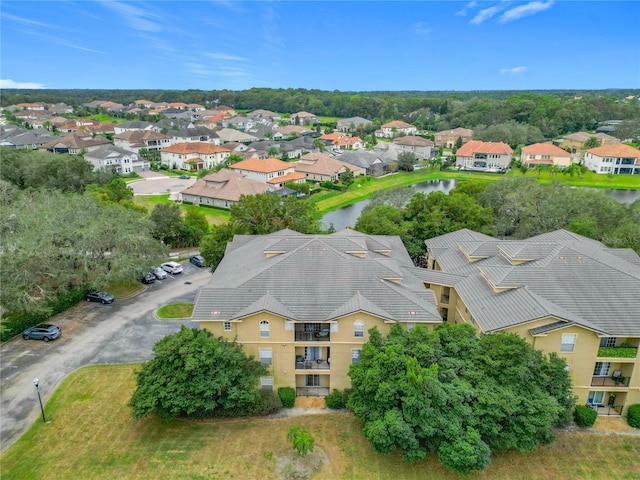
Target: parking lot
(92, 334)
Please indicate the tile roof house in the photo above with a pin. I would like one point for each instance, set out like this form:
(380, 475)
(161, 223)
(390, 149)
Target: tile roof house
(268, 114)
(574, 142)
(341, 141)
(270, 171)
(373, 165)
(134, 140)
(615, 159)
(420, 147)
(133, 125)
(396, 128)
(192, 133)
(110, 157)
(194, 155)
(293, 130)
(222, 189)
(75, 143)
(232, 135)
(303, 118)
(352, 124)
(304, 303)
(545, 154)
(484, 156)
(321, 167)
(562, 292)
(28, 139)
(448, 138)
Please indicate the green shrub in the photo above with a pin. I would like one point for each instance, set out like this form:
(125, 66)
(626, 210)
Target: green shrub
(585, 416)
(345, 396)
(633, 416)
(287, 396)
(334, 400)
(266, 403)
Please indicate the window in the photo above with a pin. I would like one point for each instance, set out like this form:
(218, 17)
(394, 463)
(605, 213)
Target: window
(266, 384)
(227, 326)
(444, 297)
(265, 356)
(358, 329)
(608, 341)
(264, 328)
(596, 398)
(601, 369)
(355, 356)
(568, 342)
(410, 326)
(472, 320)
(312, 380)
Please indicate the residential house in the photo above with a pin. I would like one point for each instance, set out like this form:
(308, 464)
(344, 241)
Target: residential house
(574, 143)
(193, 134)
(169, 124)
(230, 111)
(615, 159)
(110, 157)
(293, 130)
(369, 162)
(132, 126)
(320, 167)
(270, 171)
(194, 155)
(353, 124)
(27, 139)
(395, 129)
(420, 147)
(562, 292)
(340, 141)
(222, 189)
(232, 135)
(239, 122)
(144, 103)
(266, 114)
(134, 140)
(545, 154)
(303, 118)
(303, 304)
(75, 143)
(448, 138)
(484, 156)
(299, 146)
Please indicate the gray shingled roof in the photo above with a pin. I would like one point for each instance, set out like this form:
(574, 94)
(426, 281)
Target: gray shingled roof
(572, 278)
(314, 279)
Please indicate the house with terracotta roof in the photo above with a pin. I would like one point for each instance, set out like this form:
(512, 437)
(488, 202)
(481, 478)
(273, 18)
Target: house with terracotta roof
(574, 142)
(179, 105)
(420, 147)
(293, 130)
(134, 140)
(194, 155)
(75, 143)
(341, 141)
(563, 293)
(303, 118)
(144, 103)
(321, 167)
(545, 154)
(448, 138)
(484, 156)
(222, 189)
(396, 128)
(615, 159)
(270, 171)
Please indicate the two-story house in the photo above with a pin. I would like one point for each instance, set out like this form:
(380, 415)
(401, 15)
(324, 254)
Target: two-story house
(448, 138)
(320, 167)
(564, 293)
(614, 159)
(75, 143)
(545, 154)
(194, 155)
(420, 147)
(121, 161)
(222, 189)
(396, 128)
(303, 118)
(303, 304)
(270, 171)
(353, 124)
(484, 156)
(135, 140)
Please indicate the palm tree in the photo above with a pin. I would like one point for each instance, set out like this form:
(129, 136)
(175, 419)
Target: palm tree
(319, 144)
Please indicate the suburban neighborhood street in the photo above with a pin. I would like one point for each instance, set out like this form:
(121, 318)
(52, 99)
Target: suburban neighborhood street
(92, 334)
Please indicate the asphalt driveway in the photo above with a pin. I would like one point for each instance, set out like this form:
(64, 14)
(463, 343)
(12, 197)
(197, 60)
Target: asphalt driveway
(92, 334)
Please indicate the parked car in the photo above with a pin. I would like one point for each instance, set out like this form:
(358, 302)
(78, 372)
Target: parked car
(148, 278)
(184, 177)
(159, 273)
(197, 260)
(44, 331)
(172, 267)
(99, 296)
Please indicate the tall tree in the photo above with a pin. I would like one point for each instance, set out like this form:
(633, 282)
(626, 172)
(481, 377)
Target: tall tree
(406, 161)
(592, 142)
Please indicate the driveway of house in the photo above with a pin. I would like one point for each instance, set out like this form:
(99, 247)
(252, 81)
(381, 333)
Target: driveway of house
(157, 184)
(92, 334)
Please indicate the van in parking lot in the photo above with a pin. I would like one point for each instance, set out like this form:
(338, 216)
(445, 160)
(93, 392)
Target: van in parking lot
(172, 267)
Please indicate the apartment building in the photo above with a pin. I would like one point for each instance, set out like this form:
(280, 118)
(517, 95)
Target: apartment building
(563, 292)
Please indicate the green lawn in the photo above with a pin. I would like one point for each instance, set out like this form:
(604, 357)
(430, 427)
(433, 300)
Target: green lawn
(215, 216)
(107, 118)
(176, 310)
(92, 436)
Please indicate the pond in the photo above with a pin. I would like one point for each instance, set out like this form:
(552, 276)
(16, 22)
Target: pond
(347, 216)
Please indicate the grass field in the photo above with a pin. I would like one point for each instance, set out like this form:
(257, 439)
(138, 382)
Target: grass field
(176, 310)
(92, 436)
(214, 216)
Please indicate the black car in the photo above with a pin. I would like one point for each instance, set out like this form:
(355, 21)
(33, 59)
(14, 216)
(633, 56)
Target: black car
(197, 260)
(44, 331)
(184, 177)
(148, 278)
(98, 296)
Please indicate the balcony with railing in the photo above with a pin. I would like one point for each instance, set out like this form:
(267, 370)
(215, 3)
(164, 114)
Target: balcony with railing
(313, 332)
(317, 364)
(617, 381)
(312, 391)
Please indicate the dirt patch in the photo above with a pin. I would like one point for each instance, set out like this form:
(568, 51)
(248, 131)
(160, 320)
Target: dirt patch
(310, 402)
(290, 466)
(614, 425)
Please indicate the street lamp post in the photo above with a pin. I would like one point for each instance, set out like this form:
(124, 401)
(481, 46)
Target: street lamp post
(36, 383)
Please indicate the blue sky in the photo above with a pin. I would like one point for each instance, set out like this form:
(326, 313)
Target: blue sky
(330, 45)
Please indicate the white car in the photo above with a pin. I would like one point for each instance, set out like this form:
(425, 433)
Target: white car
(160, 273)
(172, 267)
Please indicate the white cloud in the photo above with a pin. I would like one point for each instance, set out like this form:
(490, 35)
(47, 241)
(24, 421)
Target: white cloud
(485, 14)
(8, 83)
(33, 23)
(468, 6)
(420, 28)
(225, 56)
(512, 71)
(136, 18)
(530, 8)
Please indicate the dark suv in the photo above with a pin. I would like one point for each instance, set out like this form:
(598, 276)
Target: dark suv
(44, 331)
(98, 296)
(148, 278)
(197, 260)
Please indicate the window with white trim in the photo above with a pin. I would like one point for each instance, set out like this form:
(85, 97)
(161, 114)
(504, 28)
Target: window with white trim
(358, 329)
(355, 356)
(608, 341)
(266, 384)
(264, 328)
(601, 369)
(265, 356)
(568, 342)
(227, 326)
